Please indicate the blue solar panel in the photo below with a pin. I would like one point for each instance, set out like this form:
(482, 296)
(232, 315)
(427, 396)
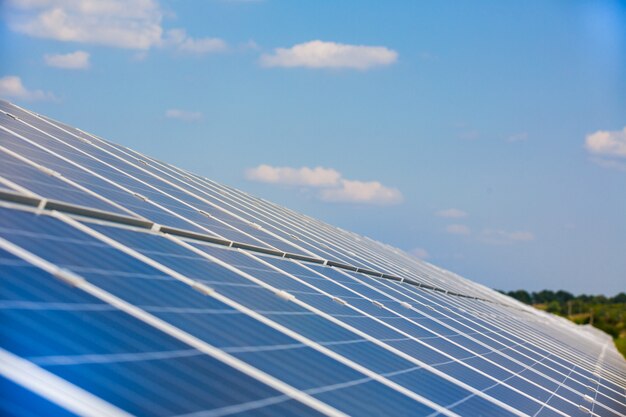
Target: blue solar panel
(128, 302)
(15, 400)
(201, 316)
(105, 351)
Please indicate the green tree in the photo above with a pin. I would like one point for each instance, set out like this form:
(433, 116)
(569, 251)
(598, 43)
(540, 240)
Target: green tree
(521, 295)
(554, 307)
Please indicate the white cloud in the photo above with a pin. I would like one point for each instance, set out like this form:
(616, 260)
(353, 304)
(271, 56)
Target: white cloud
(458, 229)
(609, 163)
(186, 116)
(427, 56)
(451, 213)
(310, 177)
(318, 54)
(130, 24)
(333, 187)
(133, 24)
(73, 60)
(503, 237)
(11, 87)
(517, 137)
(178, 39)
(470, 134)
(420, 253)
(369, 192)
(607, 143)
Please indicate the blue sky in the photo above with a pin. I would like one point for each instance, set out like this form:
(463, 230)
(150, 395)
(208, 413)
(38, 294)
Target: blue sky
(485, 137)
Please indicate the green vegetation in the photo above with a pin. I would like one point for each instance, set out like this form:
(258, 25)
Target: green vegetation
(607, 314)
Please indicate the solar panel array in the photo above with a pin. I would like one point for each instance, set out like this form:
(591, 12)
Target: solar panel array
(132, 287)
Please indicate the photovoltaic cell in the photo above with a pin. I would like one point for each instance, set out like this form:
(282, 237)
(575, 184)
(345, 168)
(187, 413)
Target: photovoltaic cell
(105, 351)
(103, 318)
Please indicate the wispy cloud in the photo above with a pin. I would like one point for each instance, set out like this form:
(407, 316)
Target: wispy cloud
(73, 60)
(503, 237)
(319, 54)
(133, 24)
(451, 213)
(458, 229)
(517, 137)
(427, 56)
(610, 163)
(469, 134)
(305, 176)
(178, 39)
(184, 115)
(11, 86)
(420, 253)
(128, 24)
(332, 187)
(368, 192)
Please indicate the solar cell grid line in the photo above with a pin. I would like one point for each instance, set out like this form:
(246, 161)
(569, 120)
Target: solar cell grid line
(230, 360)
(555, 391)
(157, 162)
(54, 389)
(597, 392)
(382, 301)
(316, 238)
(416, 294)
(315, 244)
(144, 190)
(369, 309)
(50, 316)
(501, 338)
(418, 269)
(10, 186)
(371, 375)
(174, 238)
(249, 217)
(402, 259)
(488, 293)
(191, 377)
(139, 154)
(388, 395)
(421, 267)
(348, 243)
(212, 196)
(67, 168)
(377, 266)
(223, 249)
(157, 216)
(578, 356)
(107, 188)
(370, 279)
(575, 387)
(52, 185)
(420, 294)
(112, 157)
(554, 364)
(174, 219)
(383, 339)
(557, 345)
(230, 262)
(16, 400)
(189, 188)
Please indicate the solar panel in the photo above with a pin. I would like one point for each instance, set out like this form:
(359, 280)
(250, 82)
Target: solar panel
(132, 287)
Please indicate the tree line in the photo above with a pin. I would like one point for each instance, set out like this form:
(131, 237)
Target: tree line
(606, 313)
